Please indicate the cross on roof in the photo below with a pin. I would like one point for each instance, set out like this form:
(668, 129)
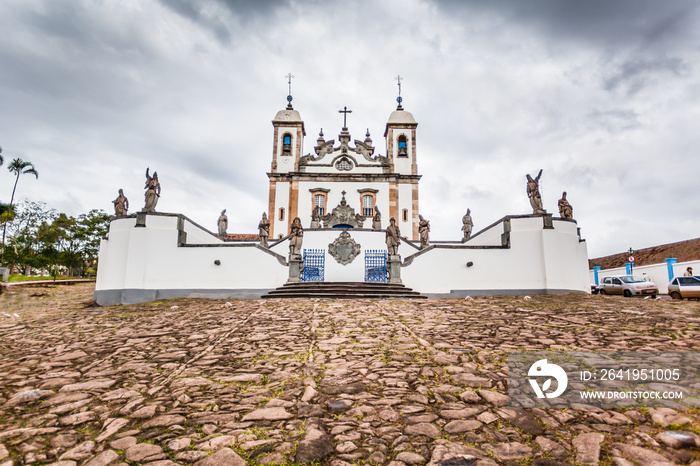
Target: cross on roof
(289, 81)
(399, 78)
(345, 112)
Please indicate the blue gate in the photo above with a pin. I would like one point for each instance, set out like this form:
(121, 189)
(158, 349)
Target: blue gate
(314, 265)
(375, 265)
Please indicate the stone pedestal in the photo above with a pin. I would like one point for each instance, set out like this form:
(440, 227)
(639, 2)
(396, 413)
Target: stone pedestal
(393, 265)
(296, 265)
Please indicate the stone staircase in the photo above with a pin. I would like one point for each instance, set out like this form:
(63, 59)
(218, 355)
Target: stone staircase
(343, 290)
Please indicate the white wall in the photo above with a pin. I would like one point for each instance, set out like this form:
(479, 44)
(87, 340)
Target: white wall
(657, 273)
(335, 271)
(538, 260)
(135, 258)
(139, 261)
(281, 200)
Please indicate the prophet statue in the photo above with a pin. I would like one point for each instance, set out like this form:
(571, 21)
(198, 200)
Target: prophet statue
(264, 230)
(467, 225)
(565, 209)
(152, 192)
(393, 237)
(223, 224)
(533, 192)
(296, 237)
(121, 204)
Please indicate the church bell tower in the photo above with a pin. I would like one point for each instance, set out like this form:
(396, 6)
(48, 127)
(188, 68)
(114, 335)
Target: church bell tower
(287, 147)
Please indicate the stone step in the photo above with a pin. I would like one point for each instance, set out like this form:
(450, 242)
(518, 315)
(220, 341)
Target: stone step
(344, 290)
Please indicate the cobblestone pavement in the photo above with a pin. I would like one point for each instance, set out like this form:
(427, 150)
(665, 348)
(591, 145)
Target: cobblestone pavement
(211, 382)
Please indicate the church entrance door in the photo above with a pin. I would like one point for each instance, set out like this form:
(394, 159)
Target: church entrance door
(375, 266)
(314, 265)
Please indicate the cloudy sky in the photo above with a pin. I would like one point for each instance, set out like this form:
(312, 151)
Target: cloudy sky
(602, 95)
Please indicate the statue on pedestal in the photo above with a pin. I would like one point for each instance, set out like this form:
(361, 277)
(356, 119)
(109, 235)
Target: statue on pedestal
(223, 224)
(533, 192)
(377, 220)
(565, 209)
(296, 237)
(121, 204)
(315, 218)
(264, 230)
(152, 192)
(424, 232)
(393, 237)
(467, 225)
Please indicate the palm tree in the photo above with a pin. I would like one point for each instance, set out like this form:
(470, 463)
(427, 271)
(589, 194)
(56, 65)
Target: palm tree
(18, 167)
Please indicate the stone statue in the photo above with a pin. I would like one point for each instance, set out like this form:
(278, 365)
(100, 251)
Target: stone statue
(264, 230)
(223, 225)
(296, 237)
(424, 232)
(316, 218)
(152, 192)
(533, 192)
(121, 204)
(565, 209)
(393, 237)
(377, 220)
(467, 225)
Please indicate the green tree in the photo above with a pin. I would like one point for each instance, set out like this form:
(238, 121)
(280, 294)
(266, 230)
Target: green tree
(92, 227)
(2, 160)
(18, 167)
(27, 244)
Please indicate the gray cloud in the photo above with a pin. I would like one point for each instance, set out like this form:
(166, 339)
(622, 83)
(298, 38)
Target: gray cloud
(632, 75)
(638, 23)
(615, 121)
(593, 92)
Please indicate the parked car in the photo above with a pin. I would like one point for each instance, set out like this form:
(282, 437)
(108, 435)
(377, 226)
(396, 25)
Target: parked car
(594, 288)
(684, 287)
(628, 285)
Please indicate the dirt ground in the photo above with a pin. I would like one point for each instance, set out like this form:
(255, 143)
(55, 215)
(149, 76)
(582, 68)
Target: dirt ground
(387, 382)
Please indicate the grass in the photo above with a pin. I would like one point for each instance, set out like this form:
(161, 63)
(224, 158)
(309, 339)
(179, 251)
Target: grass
(24, 278)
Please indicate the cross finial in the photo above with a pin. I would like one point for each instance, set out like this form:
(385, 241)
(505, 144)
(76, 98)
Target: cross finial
(345, 112)
(398, 78)
(289, 81)
(289, 96)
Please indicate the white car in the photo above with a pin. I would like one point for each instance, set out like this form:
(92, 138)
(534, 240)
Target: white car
(684, 287)
(628, 285)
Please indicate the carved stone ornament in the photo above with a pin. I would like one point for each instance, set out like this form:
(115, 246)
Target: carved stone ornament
(363, 148)
(343, 214)
(344, 249)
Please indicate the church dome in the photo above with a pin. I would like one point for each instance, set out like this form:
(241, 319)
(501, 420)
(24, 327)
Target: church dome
(401, 116)
(288, 115)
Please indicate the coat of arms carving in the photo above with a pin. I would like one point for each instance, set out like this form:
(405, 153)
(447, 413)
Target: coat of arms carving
(344, 249)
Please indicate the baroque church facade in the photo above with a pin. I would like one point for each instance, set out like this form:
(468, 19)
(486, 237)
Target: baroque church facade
(343, 173)
(343, 184)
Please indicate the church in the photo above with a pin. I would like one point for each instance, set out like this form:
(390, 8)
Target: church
(301, 184)
(330, 212)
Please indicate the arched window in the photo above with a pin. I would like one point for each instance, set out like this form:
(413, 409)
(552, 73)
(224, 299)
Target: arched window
(368, 205)
(320, 203)
(403, 146)
(287, 144)
(281, 213)
(405, 215)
